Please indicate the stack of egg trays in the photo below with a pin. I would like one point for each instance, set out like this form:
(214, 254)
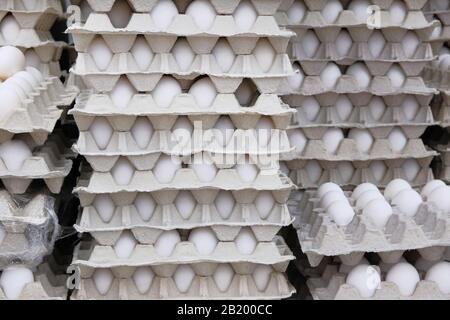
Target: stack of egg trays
(95, 103)
(35, 34)
(360, 117)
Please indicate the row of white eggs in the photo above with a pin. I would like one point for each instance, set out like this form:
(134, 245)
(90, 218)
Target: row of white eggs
(185, 204)
(182, 53)
(183, 277)
(204, 240)
(376, 43)
(366, 278)
(333, 8)
(333, 137)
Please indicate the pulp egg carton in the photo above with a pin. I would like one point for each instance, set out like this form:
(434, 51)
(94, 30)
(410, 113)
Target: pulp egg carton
(436, 77)
(320, 236)
(332, 286)
(353, 173)
(442, 109)
(444, 172)
(37, 39)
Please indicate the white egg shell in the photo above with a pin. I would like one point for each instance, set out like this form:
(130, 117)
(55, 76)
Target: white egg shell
(311, 108)
(245, 15)
(410, 43)
(362, 138)
(411, 169)
(223, 276)
(14, 153)
(367, 197)
(224, 130)
(332, 139)
(397, 140)
(331, 197)
(14, 279)
(361, 74)
(120, 14)
(410, 107)
(185, 204)
(225, 203)
(104, 206)
(142, 132)
(363, 188)
(376, 43)
(36, 74)
(327, 187)
(295, 80)
(167, 242)
(397, 12)
(10, 29)
(100, 53)
(101, 131)
(264, 54)
(183, 54)
(330, 75)
(261, 275)
(123, 172)
(32, 59)
(103, 279)
(202, 13)
(405, 276)
(310, 43)
(332, 10)
(12, 60)
(346, 171)
(341, 212)
(428, 189)
(264, 203)
(165, 91)
(224, 55)
(143, 279)
(378, 211)
(365, 279)
(183, 278)
(343, 43)
(10, 101)
(166, 168)
(145, 206)
(204, 239)
(205, 169)
(25, 81)
(377, 107)
(125, 245)
(245, 241)
(163, 13)
(344, 107)
(408, 202)
(440, 274)
(378, 169)
(142, 53)
(297, 139)
(395, 187)
(264, 129)
(122, 93)
(397, 76)
(441, 198)
(247, 171)
(204, 92)
(296, 12)
(359, 7)
(313, 170)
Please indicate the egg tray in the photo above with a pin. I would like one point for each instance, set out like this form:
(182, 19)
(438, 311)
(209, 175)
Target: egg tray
(332, 286)
(444, 170)
(320, 236)
(88, 257)
(41, 41)
(437, 78)
(242, 287)
(441, 109)
(362, 172)
(51, 68)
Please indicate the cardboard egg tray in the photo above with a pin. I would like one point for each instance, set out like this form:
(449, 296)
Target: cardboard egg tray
(319, 236)
(41, 40)
(444, 170)
(332, 286)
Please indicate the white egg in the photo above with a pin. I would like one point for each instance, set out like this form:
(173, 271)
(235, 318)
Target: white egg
(123, 172)
(295, 80)
(343, 43)
(410, 107)
(397, 12)
(359, 8)
(432, 185)
(10, 101)
(12, 89)
(120, 14)
(310, 43)
(361, 74)
(163, 13)
(297, 139)
(204, 92)
(397, 140)
(341, 212)
(331, 197)
(185, 204)
(411, 169)
(101, 131)
(165, 91)
(225, 203)
(36, 74)
(441, 198)
(104, 206)
(204, 240)
(224, 130)
(122, 93)
(330, 75)
(332, 10)
(408, 202)
(142, 132)
(346, 170)
(14, 153)
(264, 54)
(142, 53)
(313, 170)
(377, 107)
(223, 276)
(378, 211)
(362, 138)
(247, 171)
(12, 60)
(395, 187)
(202, 13)
(167, 242)
(183, 277)
(397, 76)
(245, 241)
(145, 206)
(183, 54)
(376, 43)
(261, 275)
(100, 53)
(405, 276)
(32, 59)
(143, 278)
(296, 12)
(205, 169)
(224, 55)
(125, 245)
(264, 129)
(311, 107)
(410, 43)
(440, 274)
(327, 187)
(103, 279)
(182, 133)
(245, 93)
(264, 203)
(444, 62)
(365, 279)
(332, 139)
(365, 198)
(245, 15)
(10, 29)
(344, 107)
(363, 188)
(378, 169)
(14, 279)
(25, 80)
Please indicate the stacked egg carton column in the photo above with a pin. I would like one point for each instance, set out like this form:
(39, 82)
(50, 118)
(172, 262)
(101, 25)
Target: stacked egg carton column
(361, 103)
(184, 197)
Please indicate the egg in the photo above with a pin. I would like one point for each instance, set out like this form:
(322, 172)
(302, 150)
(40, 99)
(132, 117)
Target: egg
(378, 169)
(14, 153)
(223, 276)
(264, 203)
(143, 279)
(12, 60)
(341, 212)
(25, 81)
(11, 90)
(397, 140)
(313, 170)
(120, 14)
(411, 169)
(104, 206)
(410, 43)
(331, 197)
(361, 74)
(296, 12)
(167, 242)
(125, 245)
(32, 59)
(185, 204)
(444, 62)
(142, 53)
(123, 172)
(327, 187)
(408, 201)
(225, 203)
(437, 31)
(344, 107)
(182, 133)
(332, 10)
(183, 277)
(405, 276)
(395, 187)
(346, 170)
(363, 188)
(330, 75)
(183, 54)
(10, 29)
(247, 171)
(432, 185)
(122, 93)
(343, 43)
(36, 74)
(311, 108)
(245, 93)
(142, 132)
(397, 12)
(204, 92)
(397, 76)
(14, 279)
(165, 91)
(297, 139)
(295, 80)
(410, 107)
(440, 197)
(332, 139)
(376, 43)
(362, 138)
(378, 211)
(224, 55)
(100, 53)
(245, 16)
(264, 54)
(365, 279)
(367, 197)
(224, 130)
(103, 279)
(204, 240)
(310, 43)
(101, 132)
(245, 241)
(163, 13)
(264, 129)
(261, 275)
(202, 13)
(359, 8)
(440, 274)
(145, 206)
(377, 107)
(10, 101)
(205, 169)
